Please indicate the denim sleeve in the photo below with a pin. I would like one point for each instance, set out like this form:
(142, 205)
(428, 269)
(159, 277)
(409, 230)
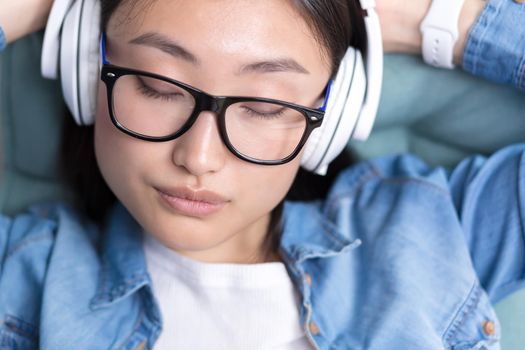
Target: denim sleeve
(489, 195)
(4, 231)
(495, 48)
(3, 41)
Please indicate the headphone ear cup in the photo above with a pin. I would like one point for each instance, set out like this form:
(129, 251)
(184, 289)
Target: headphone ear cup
(51, 44)
(342, 113)
(374, 74)
(89, 63)
(335, 106)
(79, 59)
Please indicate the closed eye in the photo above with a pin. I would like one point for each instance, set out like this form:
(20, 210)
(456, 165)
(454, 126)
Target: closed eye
(148, 91)
(264, 114)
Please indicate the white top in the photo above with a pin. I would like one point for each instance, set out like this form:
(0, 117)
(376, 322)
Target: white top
(223, 306)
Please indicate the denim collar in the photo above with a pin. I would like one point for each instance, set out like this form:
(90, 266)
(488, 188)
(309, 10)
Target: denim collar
(321, 229)
(307, 233)
(123, 268)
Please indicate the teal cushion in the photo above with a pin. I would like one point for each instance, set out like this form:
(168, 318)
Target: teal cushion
(31, 111)
(440, 115)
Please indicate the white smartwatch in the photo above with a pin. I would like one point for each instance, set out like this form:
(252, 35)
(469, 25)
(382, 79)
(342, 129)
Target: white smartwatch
(440, 31)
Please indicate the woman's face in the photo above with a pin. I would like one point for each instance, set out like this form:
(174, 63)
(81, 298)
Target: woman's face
(215, 41)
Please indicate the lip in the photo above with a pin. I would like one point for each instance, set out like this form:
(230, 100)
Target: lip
(189, 202)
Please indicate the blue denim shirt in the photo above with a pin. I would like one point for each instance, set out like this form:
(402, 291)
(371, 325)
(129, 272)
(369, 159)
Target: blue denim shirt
(495, 48)
(398, 256)
(2, 39)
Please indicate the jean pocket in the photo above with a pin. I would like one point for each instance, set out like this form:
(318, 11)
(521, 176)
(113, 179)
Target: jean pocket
(475, 325)
(16, 334)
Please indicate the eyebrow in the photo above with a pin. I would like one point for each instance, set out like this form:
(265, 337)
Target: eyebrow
(275, 65)
(167, 45)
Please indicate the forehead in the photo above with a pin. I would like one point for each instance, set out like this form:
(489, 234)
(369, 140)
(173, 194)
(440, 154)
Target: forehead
(223, 27)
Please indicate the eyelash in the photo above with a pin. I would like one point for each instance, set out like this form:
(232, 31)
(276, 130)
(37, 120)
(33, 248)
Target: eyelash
(264, 115)
(149, 92)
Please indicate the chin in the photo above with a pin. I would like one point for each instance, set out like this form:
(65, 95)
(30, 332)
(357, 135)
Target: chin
(188, 234)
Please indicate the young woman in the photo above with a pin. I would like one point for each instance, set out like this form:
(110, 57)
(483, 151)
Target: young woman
(199, 251)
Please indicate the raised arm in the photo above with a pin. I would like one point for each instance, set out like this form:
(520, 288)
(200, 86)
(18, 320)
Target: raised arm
(21, 17)
(491, 42)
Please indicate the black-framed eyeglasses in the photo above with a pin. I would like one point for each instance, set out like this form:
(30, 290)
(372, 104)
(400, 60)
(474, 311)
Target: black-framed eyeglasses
(155, 108)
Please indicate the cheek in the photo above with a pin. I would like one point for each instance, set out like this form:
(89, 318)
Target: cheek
(106, 138)
(267, 186)
(104, 141)
(115, 152)
(101, 123)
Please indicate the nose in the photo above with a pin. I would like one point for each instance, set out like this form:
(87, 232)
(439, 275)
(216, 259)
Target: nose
(200, 150)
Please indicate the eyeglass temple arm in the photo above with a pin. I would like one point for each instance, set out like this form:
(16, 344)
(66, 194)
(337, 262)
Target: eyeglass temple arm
(328, 90)
(103, 49)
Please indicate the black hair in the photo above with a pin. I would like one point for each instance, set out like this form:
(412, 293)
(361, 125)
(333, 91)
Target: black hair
(337, 24)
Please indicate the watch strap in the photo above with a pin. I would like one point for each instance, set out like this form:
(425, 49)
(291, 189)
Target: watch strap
(439, 29)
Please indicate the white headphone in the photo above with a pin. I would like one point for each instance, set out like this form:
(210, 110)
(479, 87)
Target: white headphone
(73, 33)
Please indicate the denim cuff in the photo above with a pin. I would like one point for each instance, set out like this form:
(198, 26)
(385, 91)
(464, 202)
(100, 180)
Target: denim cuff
(495, 48)
(2, 39)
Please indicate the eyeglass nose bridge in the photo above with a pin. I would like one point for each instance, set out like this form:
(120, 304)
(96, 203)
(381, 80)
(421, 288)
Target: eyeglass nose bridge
(209, 103)
(206, 103)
